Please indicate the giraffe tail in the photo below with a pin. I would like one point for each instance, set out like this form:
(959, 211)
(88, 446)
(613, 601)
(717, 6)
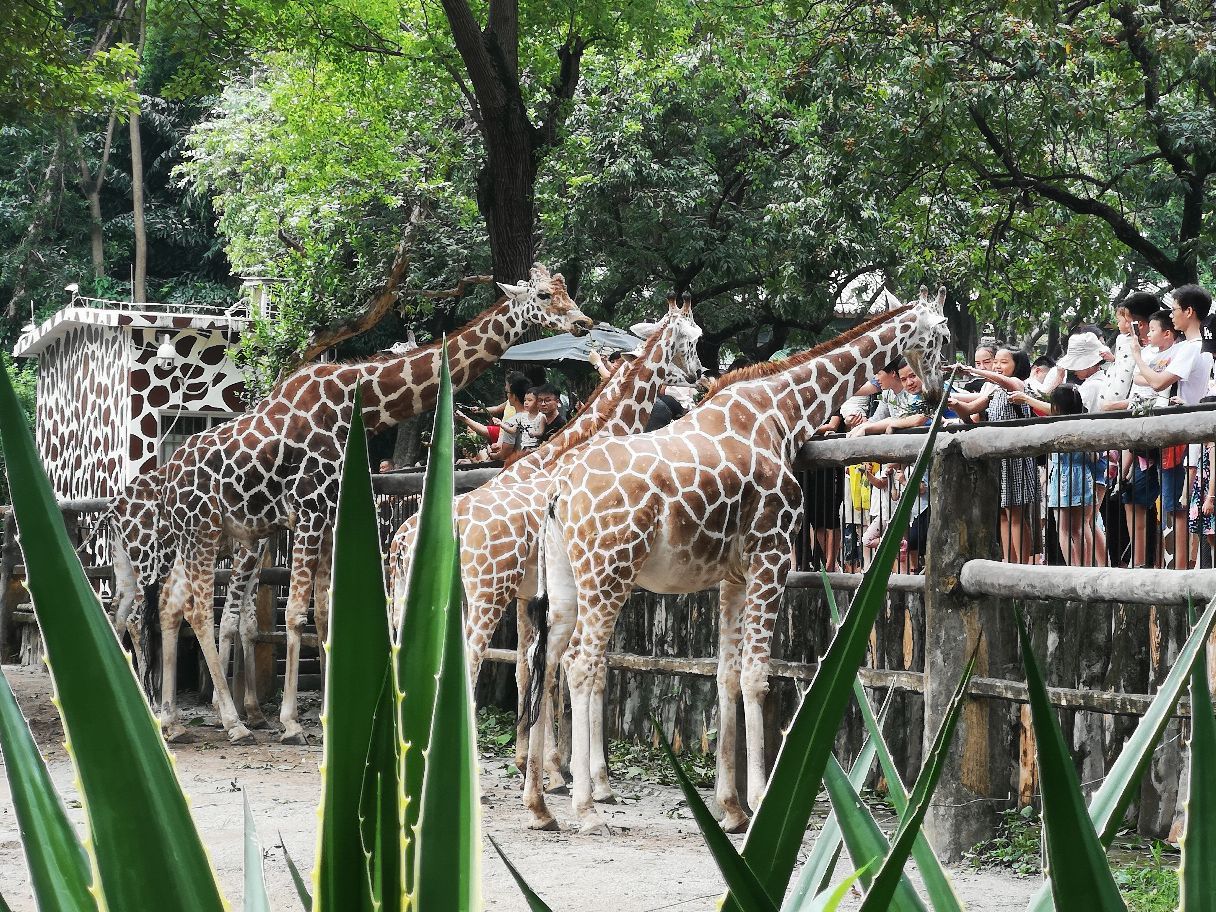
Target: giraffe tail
(538, 616)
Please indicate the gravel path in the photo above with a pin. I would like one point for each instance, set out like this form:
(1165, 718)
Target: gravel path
(655, 859)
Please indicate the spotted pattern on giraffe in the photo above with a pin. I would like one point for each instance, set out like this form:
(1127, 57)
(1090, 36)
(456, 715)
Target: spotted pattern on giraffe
(709, 500)
(278, 467)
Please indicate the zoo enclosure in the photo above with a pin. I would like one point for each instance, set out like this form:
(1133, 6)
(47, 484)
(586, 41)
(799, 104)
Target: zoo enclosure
(1107, 635)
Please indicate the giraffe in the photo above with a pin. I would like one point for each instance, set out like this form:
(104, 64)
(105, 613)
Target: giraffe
(499, 523)
(278, 467)
(710, 499)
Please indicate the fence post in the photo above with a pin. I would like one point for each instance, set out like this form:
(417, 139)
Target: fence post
(9, 588)
(964, 526)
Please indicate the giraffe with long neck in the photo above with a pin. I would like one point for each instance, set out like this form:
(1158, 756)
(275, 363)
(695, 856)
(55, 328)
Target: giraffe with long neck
(279, 467)
(710, 500)
(500, 522)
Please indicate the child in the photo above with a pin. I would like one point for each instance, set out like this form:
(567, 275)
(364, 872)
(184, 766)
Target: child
(1070, 492)
(885, 492)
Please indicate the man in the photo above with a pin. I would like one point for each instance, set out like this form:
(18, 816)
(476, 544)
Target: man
(1189, 369)
(548, 403)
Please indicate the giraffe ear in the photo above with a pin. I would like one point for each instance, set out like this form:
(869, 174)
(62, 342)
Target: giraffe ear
(514, 291)
(643, 330)
(941, 299)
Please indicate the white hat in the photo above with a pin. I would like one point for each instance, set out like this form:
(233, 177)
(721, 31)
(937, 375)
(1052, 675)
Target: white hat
(1084, 350)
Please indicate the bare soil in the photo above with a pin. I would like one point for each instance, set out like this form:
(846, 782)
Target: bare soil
(654, 860)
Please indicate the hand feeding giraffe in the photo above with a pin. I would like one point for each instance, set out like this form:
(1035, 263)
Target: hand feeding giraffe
(499, 523)
(278, 467)
(711, 499)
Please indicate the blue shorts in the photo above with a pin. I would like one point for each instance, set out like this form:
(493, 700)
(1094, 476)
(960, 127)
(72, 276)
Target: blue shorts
(1145, 487)
(1099, 468)
(1172, 483)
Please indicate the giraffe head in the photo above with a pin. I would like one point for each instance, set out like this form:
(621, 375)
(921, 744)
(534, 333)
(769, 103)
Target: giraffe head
(543, 300)
(685, 361)
(926, 350)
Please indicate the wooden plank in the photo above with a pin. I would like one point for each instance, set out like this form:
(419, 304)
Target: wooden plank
(850, 582)
(1114, 431)
(982, 578)
(406, 483)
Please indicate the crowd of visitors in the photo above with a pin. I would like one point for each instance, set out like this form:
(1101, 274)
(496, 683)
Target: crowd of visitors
(1122, 508)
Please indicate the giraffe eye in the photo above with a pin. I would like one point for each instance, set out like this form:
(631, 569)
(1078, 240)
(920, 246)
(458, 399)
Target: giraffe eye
(544, 296)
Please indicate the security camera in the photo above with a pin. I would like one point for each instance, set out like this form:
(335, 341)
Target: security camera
(166, 354)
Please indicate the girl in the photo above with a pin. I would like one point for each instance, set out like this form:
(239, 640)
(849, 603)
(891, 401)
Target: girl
(1019, 478)
(1070, 492)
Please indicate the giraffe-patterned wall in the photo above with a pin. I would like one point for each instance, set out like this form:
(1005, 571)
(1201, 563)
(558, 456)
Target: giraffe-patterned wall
(203, 380)
(102, 394)
(83, 411)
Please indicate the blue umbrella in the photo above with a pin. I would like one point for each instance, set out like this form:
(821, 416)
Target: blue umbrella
(567, 347)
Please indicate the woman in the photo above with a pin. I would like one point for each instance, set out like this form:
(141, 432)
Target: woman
(1019, 478)
(1072, 493)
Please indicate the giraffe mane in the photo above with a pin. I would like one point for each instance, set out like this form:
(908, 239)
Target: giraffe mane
(570, 437)
(769, 368)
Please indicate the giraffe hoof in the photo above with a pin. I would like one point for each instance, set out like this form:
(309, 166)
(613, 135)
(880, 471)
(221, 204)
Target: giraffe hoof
(594, 828)
(257, 723)
(547, 824)
(604, 796)
(558, 788)
(735, 824)
(241, 735)
(293, 737)
(178, 734)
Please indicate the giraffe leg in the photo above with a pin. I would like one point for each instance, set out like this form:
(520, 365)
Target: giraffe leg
(248, 629)
(581, 669)
(303, 571)
(321, 599)
(765, 585)
(525, 637)
(201, 616)
(174, 595)
(731, 600)
(601, 790)
(230, 617)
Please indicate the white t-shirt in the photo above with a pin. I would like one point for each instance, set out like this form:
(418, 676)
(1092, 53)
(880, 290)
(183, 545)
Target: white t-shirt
(1091, 390)
(1193, 368)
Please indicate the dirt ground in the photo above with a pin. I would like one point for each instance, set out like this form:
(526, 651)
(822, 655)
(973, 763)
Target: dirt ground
(655, 859)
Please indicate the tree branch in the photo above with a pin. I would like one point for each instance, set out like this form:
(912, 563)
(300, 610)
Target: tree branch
(466, 33)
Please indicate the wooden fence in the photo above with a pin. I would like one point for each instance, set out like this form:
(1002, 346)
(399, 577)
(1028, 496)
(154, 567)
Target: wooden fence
(1106, 636)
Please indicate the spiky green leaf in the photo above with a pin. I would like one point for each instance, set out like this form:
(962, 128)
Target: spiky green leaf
(296, 878)
(1122, 782)
(357, 656)
(864, 839)
(433, 591)
(830, 902)
(256, 898)
(59, 866)
(1075, 858)
(146, 846)
(771, 849)
(938, 888)
(817, 870)
(379, 817)
(535, 903)
(889, 875)
(739, 878)
(1197, 873)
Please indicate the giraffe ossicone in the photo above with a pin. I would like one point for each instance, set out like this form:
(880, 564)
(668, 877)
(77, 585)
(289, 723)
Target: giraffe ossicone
(710, 500)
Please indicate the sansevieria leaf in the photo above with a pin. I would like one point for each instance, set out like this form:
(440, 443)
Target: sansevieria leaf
(864, 839)
(535, 903)
(1197, 873)
(879, 896)
(144, 841)
(433, 590)
(738, 876)
(817, 870)
(296, 879)
(938, 888)
(830, 902)
(771, 849)
(357, 662)
(1122, 782)
(59, 867)
(256, 899)
(1076, 860)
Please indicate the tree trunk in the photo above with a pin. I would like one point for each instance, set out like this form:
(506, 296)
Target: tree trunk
(96, 236)
(139, 292)
(505, 194)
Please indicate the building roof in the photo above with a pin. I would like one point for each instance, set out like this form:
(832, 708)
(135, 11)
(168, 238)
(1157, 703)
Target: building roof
(142, 316)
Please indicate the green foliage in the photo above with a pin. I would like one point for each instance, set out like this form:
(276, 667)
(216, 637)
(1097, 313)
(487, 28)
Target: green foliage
(1015, 845)
(1148, 888)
